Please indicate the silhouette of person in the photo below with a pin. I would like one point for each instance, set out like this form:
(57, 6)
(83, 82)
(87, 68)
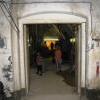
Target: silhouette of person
(39, 62)
(58, 58)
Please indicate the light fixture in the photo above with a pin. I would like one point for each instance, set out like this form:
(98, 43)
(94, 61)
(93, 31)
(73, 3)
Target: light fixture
(51, 39)
(72, 40)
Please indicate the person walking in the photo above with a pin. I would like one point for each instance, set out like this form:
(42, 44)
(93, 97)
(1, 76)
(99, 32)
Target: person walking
(58, 58)
(39, 62)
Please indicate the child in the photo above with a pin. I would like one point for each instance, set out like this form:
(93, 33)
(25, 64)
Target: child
(39, 61)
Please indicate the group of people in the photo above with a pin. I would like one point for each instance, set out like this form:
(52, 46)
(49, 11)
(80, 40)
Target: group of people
(57, 58)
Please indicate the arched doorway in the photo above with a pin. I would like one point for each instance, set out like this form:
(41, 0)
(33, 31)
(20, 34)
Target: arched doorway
(53, 17)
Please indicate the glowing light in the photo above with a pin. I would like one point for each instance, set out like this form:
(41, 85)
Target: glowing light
(51, 39)
(72, 40)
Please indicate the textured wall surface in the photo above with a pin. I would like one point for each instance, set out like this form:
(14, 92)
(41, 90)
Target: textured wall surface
(24, 10)
(82, 7)
(6, 70)
(38, 11)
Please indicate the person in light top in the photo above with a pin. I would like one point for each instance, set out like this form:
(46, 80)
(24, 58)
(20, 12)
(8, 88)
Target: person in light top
(58, 58)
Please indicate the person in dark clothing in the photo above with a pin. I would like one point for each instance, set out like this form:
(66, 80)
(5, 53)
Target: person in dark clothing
(39, 62)
(52, 51)
(52, 46)
(45, 50)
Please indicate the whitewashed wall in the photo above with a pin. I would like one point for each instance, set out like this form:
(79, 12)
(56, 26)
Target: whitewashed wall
(6, 71)
(84, 9)
(25, 10)
(33, 13)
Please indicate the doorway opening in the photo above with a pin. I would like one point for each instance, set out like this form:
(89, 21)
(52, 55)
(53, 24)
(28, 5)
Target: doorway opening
(44, 38)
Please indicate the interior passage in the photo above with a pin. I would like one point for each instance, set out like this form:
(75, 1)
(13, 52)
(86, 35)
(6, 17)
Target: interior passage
(49, 86)
(43, 42)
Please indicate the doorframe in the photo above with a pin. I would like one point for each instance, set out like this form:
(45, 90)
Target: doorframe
(28, 20)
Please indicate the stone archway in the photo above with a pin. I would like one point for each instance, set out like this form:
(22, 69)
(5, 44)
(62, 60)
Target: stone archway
(53, 17)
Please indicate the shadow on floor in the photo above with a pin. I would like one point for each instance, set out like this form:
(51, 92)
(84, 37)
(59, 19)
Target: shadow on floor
(69, 77)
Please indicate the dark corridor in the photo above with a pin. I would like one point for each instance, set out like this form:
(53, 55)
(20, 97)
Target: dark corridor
(52, 35)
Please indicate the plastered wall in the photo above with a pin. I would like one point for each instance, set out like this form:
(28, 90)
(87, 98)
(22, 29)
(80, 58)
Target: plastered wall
(6, 70)
(85, 8)
(23, 11)
(32, 13)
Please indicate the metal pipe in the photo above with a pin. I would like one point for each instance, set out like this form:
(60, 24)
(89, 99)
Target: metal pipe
(7, 18)
(8, 11)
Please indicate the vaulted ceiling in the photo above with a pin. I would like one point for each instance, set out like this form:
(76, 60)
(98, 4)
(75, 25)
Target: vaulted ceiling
(67, 30)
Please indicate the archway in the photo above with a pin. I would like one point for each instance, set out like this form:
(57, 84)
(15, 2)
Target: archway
(53, 17)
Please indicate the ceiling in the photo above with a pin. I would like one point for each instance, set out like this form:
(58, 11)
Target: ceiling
(53, 30)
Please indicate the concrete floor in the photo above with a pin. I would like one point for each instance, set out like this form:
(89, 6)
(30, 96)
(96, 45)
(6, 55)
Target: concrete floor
(50, 86)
